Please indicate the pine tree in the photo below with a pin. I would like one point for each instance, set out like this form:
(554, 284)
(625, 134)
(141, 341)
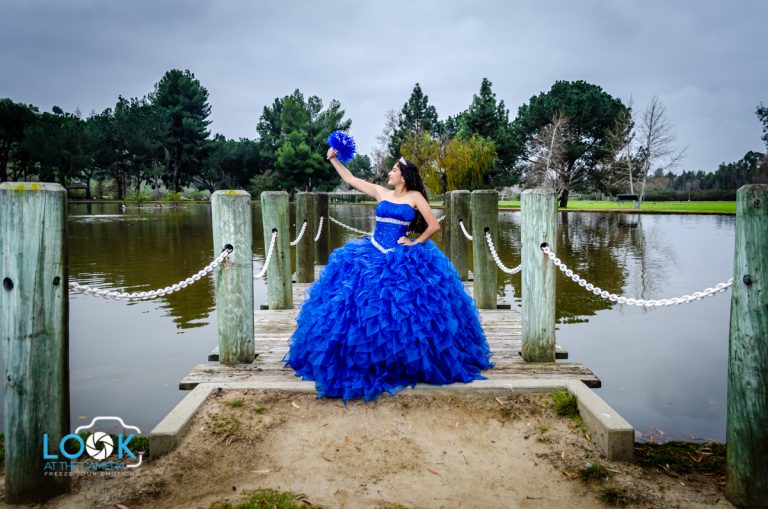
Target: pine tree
(490, 119)
(14, 118)
(293, 134)
(485, 116)
(186, 102)
(417, 116)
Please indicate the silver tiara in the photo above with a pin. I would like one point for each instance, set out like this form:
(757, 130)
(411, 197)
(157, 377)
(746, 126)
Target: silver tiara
(402, 161)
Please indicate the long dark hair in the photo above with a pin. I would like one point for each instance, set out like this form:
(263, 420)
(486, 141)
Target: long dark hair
(413, 182)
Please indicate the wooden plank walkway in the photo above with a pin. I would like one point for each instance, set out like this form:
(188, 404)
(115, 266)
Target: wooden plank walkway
(273, 328)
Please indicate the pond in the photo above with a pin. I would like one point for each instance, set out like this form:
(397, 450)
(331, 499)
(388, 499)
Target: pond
(663, 369)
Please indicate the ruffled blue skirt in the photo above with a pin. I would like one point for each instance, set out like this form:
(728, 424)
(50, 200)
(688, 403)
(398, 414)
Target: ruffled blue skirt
(378, 322)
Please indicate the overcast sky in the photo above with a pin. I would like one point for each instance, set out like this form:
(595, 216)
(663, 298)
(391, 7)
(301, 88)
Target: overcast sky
(706, 60)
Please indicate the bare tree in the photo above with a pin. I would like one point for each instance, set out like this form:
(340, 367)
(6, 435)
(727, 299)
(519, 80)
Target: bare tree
(381, 158)
(656, 139)
(548, 158)
(622, 162)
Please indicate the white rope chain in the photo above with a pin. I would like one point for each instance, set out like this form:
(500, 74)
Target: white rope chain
(153, 294)
(107, 294)
(269, 256)
(348, 227)
(466, 233)
(301, 233)
(685, 299)
(319, 228)
(495, 256)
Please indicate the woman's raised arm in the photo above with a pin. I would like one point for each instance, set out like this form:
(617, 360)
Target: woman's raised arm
(361, 185)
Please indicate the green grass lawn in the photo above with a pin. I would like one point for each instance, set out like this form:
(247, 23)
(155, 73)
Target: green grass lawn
(699, 207)
(673, 207)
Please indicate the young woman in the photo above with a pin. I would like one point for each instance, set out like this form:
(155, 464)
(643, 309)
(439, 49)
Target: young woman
(388, 311)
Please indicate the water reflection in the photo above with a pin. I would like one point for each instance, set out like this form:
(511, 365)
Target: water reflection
(142, 249)
(594, 246)
(598, 247)
(661, 368)
(665, 367)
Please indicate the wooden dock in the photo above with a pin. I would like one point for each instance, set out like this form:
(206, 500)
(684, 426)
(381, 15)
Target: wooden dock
(273, 328)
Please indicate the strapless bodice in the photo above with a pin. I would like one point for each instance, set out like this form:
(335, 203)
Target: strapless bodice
(392, 221)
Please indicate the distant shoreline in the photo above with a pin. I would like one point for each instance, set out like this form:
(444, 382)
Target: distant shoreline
(722, 208)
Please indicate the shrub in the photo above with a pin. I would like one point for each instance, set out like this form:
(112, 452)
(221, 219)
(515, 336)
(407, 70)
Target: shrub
(706, 195)
(565, 404)
(683, 457)
(173, 197)
(197, 194)
(593, 471)
(136, 197)
(264, 182)
(266, 499)
(616, 497)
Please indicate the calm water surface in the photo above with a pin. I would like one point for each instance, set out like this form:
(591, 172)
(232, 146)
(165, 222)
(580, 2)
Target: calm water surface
(662, 369)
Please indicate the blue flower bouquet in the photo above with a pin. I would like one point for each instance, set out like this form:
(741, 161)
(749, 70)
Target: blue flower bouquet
(343, 144)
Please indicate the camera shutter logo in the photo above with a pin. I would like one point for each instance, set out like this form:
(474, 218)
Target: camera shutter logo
(99, 446)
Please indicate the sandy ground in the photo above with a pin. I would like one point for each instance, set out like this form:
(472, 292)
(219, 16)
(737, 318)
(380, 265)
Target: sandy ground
(437, 451)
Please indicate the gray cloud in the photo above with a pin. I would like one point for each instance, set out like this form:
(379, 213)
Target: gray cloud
(703, 59)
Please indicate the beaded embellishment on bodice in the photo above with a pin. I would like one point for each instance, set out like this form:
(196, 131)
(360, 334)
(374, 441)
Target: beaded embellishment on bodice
(392, 220)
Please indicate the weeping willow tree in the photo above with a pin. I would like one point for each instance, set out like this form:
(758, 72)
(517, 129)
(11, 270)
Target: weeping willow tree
(467, 161)
(423, 149)
(448, 164)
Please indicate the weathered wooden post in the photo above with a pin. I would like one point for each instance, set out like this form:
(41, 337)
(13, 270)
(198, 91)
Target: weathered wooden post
(459, 248)
(445, 226)
(747, 427)
(323, 243)
(34, 324)
(539, 226)
(485, 216)
(274, 213)
(305, 249)
(233, 226)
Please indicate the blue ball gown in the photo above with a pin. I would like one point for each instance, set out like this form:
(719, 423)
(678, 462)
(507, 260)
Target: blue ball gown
(383, 316)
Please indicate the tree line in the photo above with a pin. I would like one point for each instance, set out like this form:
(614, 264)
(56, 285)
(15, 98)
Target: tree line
(573, 138)
(163, 139)
(718, 185)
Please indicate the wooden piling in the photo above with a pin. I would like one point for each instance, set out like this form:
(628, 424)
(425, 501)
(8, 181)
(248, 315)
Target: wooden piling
(305, 249)
(485, 215)
(539, 225)
(274, 213)
(233, 225)
(459, 248)
(445, 226)
(34, 329)
(747, 421)
(322, 246)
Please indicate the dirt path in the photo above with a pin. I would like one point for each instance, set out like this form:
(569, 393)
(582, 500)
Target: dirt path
(414, 451)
